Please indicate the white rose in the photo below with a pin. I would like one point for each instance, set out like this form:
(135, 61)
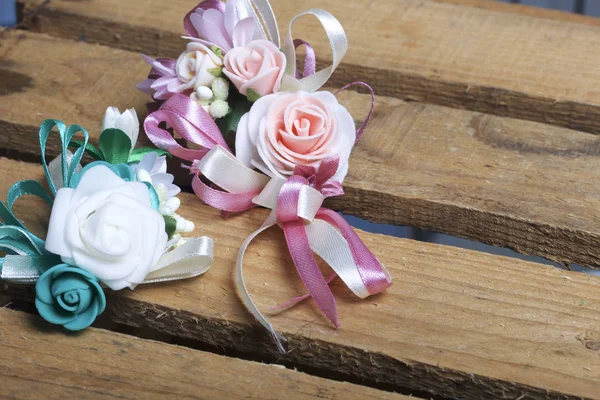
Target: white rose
(286, 129)
(127, 122)
(106, 226)
(194, 64)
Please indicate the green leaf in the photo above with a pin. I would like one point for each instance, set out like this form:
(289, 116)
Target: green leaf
(230, 122)
(217, 71)
(252, 95)
(217, 51)
(89, 149)
(115, 146)
(170, 225)
(137, 154)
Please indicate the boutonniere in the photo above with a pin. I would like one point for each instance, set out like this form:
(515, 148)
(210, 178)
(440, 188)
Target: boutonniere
(113, 223)
(292, 140)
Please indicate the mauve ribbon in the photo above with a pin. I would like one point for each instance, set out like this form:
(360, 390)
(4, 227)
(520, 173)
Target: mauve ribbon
(323, 232)
(310, 59)
(189, 120)
(370, 269)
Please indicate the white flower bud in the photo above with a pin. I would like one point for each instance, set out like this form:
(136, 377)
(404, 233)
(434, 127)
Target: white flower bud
(183, 225)
(204, 93)
(170, 206)
(219, 108)
(220, 89)
(127, 122)
(143, 176)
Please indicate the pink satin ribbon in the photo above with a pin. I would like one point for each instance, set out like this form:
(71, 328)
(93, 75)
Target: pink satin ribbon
(370, 269)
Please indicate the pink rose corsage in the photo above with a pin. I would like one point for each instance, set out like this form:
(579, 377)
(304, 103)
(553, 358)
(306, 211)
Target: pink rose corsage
(292, 140)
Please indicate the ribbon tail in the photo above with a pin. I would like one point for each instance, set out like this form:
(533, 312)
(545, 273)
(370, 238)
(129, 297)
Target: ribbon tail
(334, 240)
(299, 299)
(297, 241)
(190, 259)
(280, 341)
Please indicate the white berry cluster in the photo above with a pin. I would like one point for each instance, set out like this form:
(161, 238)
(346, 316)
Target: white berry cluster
(214, 98)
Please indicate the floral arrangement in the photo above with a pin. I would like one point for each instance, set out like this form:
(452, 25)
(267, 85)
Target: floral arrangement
(113, 223)
(292, 141)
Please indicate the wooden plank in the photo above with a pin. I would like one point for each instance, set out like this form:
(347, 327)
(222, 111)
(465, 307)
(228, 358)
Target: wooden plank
(99, 364)
(447, 53)
(510, 183)
(455, 323)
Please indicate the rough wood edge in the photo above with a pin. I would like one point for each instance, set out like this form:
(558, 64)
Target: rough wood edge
(131, 349)
(255, 343)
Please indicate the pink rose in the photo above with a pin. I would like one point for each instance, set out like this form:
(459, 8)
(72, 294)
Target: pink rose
(258, 66)
(286, 129)
(194, 66)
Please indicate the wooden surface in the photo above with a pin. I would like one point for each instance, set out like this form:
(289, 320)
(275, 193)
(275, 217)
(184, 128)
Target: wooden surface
(457, 323)
(526, 64)
(39, 362)
(511, 183)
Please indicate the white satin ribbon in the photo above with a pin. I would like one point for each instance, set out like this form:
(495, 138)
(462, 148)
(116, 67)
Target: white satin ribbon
(192, 258)
(222, 168)
(339, 45)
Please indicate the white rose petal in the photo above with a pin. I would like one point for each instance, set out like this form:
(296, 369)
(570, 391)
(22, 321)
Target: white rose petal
(106, 226)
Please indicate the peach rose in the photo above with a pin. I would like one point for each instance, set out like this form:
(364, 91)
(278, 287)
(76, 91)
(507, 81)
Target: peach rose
(194, 66)
(286, 129)
(258, 66)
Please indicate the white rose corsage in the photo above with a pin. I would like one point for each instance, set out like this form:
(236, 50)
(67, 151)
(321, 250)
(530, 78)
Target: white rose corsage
(113, 223)
(288, 141)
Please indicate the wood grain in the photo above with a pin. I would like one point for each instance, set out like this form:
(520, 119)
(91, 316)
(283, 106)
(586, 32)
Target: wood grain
(510, 183)
(455, 53)
(38, 361)
(456, 323)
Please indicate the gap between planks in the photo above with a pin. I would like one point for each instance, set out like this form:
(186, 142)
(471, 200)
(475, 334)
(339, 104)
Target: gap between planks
(455, 323)
(506, 182)
(524, 64)
(38, 361)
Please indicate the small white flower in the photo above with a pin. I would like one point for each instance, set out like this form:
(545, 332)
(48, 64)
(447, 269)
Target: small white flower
(155, 168)
(127, 122)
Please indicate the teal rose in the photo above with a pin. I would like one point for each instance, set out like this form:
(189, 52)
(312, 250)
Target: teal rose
(69, 296)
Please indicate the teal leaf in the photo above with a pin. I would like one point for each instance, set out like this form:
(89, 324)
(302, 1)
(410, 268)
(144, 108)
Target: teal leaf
(252, 95)
(115, 146)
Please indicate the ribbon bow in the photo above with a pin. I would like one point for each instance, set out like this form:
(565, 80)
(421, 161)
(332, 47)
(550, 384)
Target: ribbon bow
(308, 227)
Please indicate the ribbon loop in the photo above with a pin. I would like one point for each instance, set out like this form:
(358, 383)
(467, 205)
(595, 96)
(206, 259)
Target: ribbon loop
(339, 45)
(190, 121)
(66, 135)
(192, 258)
